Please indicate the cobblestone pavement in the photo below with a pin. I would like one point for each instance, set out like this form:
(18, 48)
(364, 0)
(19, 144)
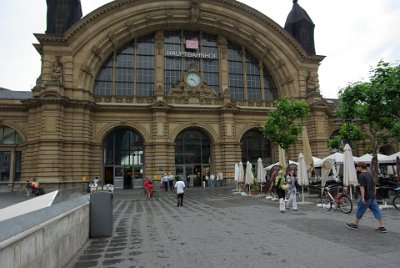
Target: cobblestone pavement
(216, 228)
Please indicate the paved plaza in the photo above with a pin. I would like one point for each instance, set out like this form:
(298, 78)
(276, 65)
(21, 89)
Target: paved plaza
(216, 228)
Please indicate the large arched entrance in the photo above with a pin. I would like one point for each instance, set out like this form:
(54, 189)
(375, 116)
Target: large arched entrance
(123, 156)
(10, 156)
(192, 155)
(254, 146)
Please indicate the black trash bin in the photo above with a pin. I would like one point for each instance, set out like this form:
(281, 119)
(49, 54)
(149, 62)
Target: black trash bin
(101, 214)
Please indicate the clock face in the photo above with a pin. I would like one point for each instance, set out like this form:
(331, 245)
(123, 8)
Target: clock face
(192, 79)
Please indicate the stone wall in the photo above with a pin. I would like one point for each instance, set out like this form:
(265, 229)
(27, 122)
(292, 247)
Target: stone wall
(48, 237)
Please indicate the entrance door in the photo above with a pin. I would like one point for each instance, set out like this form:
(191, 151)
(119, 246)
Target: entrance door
(193, 154)
(118, 177)
(123, 154)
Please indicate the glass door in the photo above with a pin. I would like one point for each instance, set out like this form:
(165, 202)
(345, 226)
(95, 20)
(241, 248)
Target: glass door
(118, 177)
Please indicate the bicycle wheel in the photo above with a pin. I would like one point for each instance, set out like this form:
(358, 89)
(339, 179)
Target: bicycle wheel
(345, 204)
(326, 203)
(396, 201)
(154, 195)
(143, 196)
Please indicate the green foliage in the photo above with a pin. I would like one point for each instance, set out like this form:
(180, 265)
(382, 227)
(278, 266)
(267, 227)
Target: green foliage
(373, 105)
(348, 133)
(255, 186)
(280, 127)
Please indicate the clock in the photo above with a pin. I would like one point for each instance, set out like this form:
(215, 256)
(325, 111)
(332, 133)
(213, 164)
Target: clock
(192, 79)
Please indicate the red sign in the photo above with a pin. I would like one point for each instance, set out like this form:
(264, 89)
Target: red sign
(192, 44)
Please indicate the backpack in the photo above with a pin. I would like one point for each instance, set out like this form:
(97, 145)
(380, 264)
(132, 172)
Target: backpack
(279, 180)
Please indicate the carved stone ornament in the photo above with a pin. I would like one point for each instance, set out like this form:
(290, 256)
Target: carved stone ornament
(97, 51)
(130, 26)
(57, 71)
(311, 83)
(87, 69)
(194, 12)
(192, 85)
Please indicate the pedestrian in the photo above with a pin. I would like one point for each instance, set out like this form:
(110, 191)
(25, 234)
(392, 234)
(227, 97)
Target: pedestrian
(292, 181)
(171, 181)
(188, 181)
(145, 184)
(96, 182)
(164, 181)
(367, 198)
(212, 181)
(28, 188)
(272, 187)
(179, 186)
(149, 188)
(281, 187)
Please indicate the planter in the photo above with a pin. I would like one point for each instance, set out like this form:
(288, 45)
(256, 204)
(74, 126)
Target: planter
(254, 192)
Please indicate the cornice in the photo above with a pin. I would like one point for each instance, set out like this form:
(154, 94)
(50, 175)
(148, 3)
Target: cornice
(169, 19)
(13, 107)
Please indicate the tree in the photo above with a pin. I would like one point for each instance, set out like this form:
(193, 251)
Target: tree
(280, 127)
(373, 106)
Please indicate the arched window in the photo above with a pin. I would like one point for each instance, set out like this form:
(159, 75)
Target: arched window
(132, 68)
(254, 146)
(244, 72)
(9, 136)
(123, 154)
(179, 57)
(192, 153)
(9, 139)
(130, 71)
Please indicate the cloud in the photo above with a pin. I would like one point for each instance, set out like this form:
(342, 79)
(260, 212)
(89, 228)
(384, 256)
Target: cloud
(353, 35)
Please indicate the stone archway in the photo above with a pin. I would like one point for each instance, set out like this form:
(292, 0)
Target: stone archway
(123, 158)
(193, 155)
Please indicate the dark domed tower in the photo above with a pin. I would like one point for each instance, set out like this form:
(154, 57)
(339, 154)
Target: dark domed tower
(61, 15)
(301, 27)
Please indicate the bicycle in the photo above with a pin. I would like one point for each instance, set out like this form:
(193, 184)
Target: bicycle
(341, 199)
(153, 195)
(396, 199)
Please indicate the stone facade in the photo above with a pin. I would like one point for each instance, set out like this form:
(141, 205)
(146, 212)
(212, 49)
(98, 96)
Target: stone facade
(64, 124)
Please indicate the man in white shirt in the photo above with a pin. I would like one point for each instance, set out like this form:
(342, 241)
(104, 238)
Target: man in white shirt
(179, 186)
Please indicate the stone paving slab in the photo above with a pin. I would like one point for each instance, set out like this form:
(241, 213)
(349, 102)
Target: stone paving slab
(216, 228)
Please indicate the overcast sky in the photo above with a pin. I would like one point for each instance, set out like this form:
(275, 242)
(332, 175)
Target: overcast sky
(353, 35)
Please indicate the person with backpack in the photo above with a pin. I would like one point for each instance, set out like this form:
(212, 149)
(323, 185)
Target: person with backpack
(292, 181)
(281, 187)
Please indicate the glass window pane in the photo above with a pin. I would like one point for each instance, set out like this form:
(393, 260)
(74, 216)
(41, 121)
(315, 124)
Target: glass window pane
(5, 161)
(18, 159)
(8, 136)
(269, 87)
(255, 146)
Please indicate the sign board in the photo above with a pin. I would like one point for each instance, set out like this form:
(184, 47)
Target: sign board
(192, 44)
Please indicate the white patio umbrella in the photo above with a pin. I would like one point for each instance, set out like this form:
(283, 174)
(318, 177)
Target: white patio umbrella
(241, 174)
(368, 157)
(308, 159)
(277, 163)
(236, 174)
(260, 173)
(302, 174)
(390, 159)
(326, 167)
(349, 170)
(249, 178)
(282, 159)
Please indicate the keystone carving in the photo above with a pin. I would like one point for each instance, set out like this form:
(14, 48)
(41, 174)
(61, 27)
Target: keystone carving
(194, 12)
(87, 69)
(97, 51)
(130, 26)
